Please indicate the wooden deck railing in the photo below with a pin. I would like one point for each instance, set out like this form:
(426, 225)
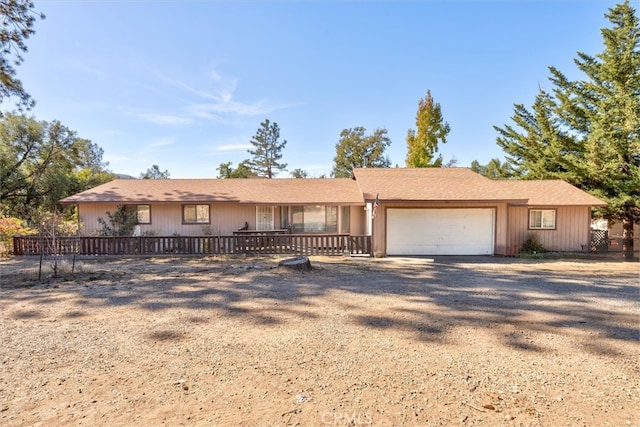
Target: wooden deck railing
(294, 244)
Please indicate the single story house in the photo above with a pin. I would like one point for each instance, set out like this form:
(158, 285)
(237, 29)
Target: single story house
(426, 211)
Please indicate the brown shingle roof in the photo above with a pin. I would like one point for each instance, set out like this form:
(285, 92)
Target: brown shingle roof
(551, 193)
(254, 191)
(393, 184)
(431, 184)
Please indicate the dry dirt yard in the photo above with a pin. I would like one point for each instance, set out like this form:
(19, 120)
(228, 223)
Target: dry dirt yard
(355, 341)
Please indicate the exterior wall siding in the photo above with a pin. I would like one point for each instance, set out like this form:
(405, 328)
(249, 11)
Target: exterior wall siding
(166, 219)
(572, 232)
(357, 220)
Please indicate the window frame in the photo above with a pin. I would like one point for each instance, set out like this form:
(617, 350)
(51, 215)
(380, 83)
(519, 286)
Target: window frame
(328, 211)
(137, 210)
(345, 219)
(532, 226)
(196, 222)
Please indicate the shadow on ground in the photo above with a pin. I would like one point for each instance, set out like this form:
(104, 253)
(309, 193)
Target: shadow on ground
(422, 297)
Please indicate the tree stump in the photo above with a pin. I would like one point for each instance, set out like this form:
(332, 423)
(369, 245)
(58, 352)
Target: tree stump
(300, 263)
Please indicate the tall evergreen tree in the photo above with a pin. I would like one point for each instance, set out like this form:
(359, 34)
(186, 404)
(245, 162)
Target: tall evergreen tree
(154, 172)
(18, 17)
(537, 147)
(495, 169)
(358, 150)
(267, 151)
(422, 144)
(588, 132)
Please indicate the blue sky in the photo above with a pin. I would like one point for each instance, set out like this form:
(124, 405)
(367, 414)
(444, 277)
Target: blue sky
(186, 84)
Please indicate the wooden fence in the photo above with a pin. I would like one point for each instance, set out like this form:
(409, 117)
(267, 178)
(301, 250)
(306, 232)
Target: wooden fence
(253, 244)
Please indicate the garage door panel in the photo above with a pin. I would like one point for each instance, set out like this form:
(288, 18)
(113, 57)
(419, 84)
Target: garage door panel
(440, 231)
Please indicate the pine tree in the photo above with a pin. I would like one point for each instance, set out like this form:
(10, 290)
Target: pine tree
(588, 132)
(495, 169)
(267, 151)
(422, 144)
(537, 148)
(18, 18)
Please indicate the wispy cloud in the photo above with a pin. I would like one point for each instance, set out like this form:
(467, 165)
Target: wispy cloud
(164, 119)
(217, 109)
(90, 69)
(219, 101)
(216, 103)
(161, 142)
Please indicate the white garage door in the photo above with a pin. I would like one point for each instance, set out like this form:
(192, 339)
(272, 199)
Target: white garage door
(440, 231)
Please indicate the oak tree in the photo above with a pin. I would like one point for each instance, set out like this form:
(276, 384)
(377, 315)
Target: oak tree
(226, 171)
(356, 149)
(41, 163)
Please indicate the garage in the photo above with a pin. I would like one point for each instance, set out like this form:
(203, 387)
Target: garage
(468, 231)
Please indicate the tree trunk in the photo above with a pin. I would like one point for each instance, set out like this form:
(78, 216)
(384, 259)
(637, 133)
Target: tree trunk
(627, 239)
(300, 263)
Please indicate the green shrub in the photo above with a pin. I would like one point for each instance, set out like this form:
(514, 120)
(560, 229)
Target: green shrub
(10, 227)
(119, 223)
(532, 245)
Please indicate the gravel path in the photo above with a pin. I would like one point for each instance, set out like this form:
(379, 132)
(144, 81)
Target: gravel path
(355, 341)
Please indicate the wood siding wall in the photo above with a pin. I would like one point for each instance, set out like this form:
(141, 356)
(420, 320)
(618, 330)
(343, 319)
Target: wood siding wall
(357, 220)
(572, 233)
(166, 219)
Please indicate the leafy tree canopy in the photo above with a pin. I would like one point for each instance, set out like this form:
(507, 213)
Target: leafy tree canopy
(356, 149)
(495, 169)
(267, 151)
(18, 17)
(587, 131)
(154, 172)
(422, 143)
(226, 171)
(41, 163)
(299, 173)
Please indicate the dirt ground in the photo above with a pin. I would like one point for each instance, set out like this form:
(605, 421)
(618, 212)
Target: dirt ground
(355, 341)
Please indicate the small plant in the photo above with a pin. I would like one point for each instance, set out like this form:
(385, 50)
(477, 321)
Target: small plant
(532, 245)
(120, 223)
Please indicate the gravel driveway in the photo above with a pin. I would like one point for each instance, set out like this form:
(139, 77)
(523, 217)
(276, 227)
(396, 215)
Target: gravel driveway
(355, 341)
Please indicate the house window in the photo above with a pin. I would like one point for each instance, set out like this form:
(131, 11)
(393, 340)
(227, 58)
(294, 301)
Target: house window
(284, 217)
(195, 214)
(314, 219)
(544, 219)
(143, 212)
(345, 214)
